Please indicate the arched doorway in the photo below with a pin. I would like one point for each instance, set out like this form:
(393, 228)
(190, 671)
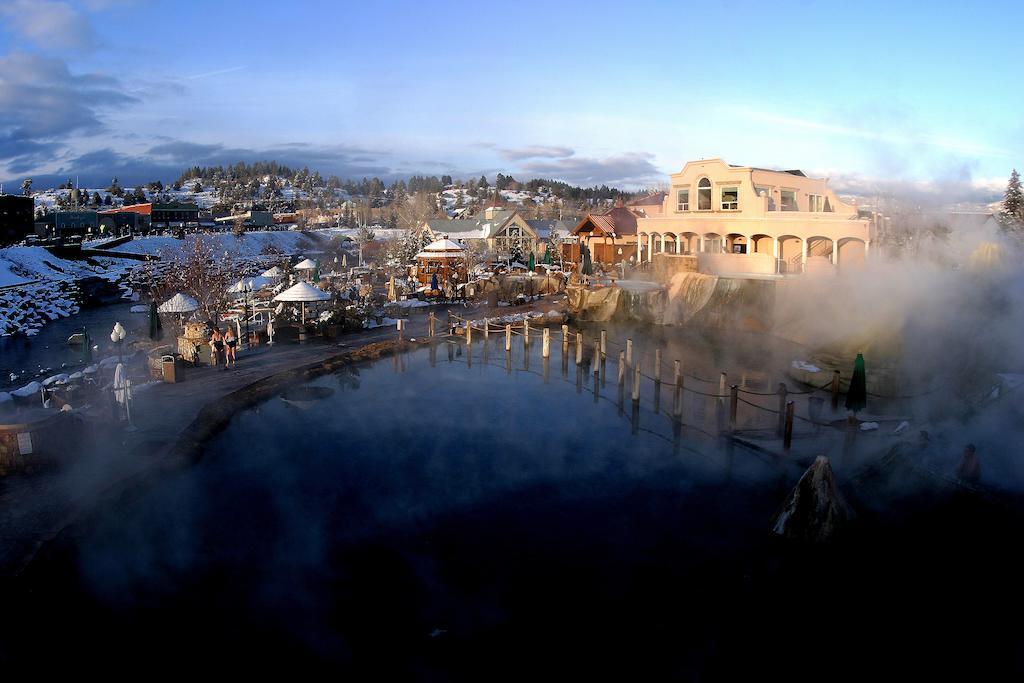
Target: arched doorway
(852, 253)
(790, 254)
(713, 243)
(761, 244)
(736, 243)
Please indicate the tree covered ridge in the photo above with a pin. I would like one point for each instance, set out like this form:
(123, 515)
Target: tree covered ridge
(311, 181)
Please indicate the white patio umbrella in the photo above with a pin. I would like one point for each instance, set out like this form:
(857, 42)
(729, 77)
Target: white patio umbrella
(301, 293)
(179, 303)
(250, 284)
(306, 264)
(273, 272)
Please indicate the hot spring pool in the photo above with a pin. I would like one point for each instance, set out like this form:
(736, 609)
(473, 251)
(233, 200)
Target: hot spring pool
(436, 514)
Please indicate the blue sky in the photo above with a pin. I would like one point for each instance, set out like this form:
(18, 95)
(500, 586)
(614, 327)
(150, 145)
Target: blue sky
(877, 96)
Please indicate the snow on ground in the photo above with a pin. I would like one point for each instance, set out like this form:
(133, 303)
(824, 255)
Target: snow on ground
(249, 245)
(19, 265)
(37, 287)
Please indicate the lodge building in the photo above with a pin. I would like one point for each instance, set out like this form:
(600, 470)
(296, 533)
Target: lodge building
(738, 219)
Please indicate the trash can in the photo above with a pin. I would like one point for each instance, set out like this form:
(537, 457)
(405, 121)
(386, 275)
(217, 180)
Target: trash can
(170, 369)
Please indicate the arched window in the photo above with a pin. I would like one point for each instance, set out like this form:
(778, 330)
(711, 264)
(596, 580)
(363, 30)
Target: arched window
(704, 195)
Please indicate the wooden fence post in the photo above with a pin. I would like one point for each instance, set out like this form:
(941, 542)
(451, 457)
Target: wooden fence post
(526, 332)
(677, 405)
(782, 410)
(508, 337)
(469, 332)
(431, 324)
(629, 352)
(401, 329)
(579, 348)
(604, 344)
(545, 349)
(657, 365)
(597, 357)
(734, 404)
(622, 368)
(788, 438)
(487, 328)
(636, 383)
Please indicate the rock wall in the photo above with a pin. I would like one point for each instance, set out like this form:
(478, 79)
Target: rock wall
(719, 302)
(665, 266)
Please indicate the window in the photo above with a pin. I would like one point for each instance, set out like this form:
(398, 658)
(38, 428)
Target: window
(815, 203)
(788, 200)
(767, 191)
(730, 198)
(704, 195)
(683, 200)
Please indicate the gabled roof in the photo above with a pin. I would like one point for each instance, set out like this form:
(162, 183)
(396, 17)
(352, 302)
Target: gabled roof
(543, 228)
(654, 199)
(478, 227)
(618, 221)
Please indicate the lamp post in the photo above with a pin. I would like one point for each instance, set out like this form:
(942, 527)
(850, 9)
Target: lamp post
(247, 290)
(117, 336)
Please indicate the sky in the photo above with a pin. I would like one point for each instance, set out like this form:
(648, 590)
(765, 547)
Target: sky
(880, 97)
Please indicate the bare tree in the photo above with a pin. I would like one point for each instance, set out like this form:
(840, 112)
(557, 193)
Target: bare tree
(363, 236)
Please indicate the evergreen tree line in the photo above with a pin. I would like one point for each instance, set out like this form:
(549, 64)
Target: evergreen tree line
(251, 175)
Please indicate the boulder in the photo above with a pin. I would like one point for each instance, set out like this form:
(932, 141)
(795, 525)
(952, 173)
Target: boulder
(816, 510)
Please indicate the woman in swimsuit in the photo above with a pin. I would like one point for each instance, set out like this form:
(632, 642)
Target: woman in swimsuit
(230, 341)
(216, 345)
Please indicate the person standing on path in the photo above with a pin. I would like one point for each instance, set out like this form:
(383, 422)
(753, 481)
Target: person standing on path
(230, 342)
(216, 345)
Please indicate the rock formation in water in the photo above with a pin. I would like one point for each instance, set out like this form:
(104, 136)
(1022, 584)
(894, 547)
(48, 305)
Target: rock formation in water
(816, 510)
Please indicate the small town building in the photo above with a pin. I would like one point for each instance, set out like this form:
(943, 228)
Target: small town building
(742, 219)
(649, 205)
(16, 218)
(445, 259)
(65, 224)
(504, 232)
(250, 220)
(117, 222)
(611, 236)
(167, 215)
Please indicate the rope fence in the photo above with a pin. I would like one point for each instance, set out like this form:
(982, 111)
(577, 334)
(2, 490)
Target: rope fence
(594, 352)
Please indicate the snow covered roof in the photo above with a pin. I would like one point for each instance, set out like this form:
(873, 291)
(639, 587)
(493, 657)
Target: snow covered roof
(273, 272)
(179, 303)
(302, 291)
(249, 283)
(444, 245)
(305, 264)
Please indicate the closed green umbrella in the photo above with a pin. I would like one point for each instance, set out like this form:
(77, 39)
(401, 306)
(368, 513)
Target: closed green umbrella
(154, 322)
(588, 265)
(532, 263)
(86, 347)
(857, 396)
(547, 255)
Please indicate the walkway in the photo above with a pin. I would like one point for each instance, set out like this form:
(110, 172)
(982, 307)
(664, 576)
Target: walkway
(34, 508)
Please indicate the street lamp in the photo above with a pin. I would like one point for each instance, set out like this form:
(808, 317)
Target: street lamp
(247, 290)
(117, 336)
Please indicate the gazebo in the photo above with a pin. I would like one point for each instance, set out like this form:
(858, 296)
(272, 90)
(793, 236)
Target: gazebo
(306, 265)
(301, 293)
(442, 258)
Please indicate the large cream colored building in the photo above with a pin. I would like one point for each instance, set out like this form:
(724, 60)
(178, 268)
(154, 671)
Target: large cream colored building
(753, 220)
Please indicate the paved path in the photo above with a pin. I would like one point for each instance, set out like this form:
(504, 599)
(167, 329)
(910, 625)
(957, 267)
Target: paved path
(35, 507)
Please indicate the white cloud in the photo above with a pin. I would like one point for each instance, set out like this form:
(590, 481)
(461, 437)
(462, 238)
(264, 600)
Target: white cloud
(49, 24)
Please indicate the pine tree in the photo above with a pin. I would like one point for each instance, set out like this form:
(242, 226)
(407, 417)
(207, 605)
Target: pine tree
(1013, 200)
